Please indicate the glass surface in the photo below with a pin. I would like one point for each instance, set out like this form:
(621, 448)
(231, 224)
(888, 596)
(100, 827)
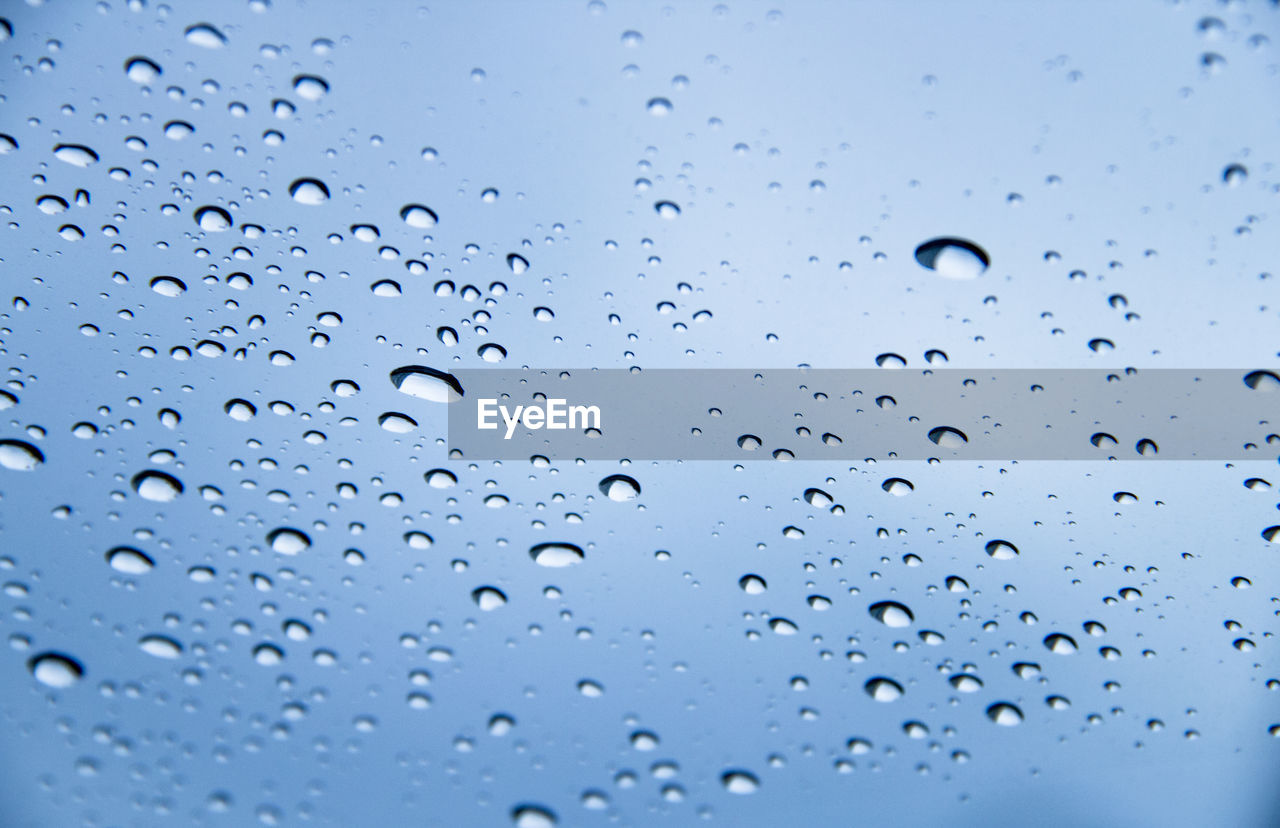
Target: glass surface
(243, 580)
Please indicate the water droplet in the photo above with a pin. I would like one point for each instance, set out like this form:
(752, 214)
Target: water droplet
(556, 554)
(415, 215)
(268, 655)
(620, 488)
(1060, 644)
(310, 87)
(897, 486)
(160, 646)
(752, 584)
(440, 479)
(309, 191)
(205, 36)
(533, 816)
(659, 107)
(948, 437)
(1004, 714)
(77, 155)
(178, 130)
(518, 264)
(891, 614)
(883, 689)
(1271, 534)
(168, 286)
(17, 455)
(240, 410)
(488, 598)
(953, 258)
(666, 209)
(157, 486)
(1002, 550)
(130, 561)
(1262, 381)
(397, 423)
(213, 219)
(492, 352)
(56, 670)
(427, 384)
(1234, 175)
(739, 782)
(818, 498)
(783, 626)
(142, 70)
(287, 541)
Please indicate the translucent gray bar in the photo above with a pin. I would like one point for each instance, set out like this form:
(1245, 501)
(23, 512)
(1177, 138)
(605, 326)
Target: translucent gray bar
(849, 415)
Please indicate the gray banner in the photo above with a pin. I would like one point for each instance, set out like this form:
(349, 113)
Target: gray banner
(801, 414)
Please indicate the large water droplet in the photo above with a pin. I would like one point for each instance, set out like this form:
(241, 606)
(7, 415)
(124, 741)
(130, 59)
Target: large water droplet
(17, 455)
(157, 486)
(168, 286)
(1060, 644)
(213, 219)
(667, 210)
(948, 437)
(55, 669)
(739, 782)
(1004, 714)
(883, 689)
(205, 36)
(953, 258)
(619, 487)
(286, 541)
(77, 155)
(488, 598)
(415, 215)
(310, 87)
(142, 70)
(533, 816)
(1262, 381)
(891, 613)
(397, 423)
(427, 384)
(1002, 550)
(160, 646)
(309, 191)
(897, 486)
(130, 561)
(556, 554)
